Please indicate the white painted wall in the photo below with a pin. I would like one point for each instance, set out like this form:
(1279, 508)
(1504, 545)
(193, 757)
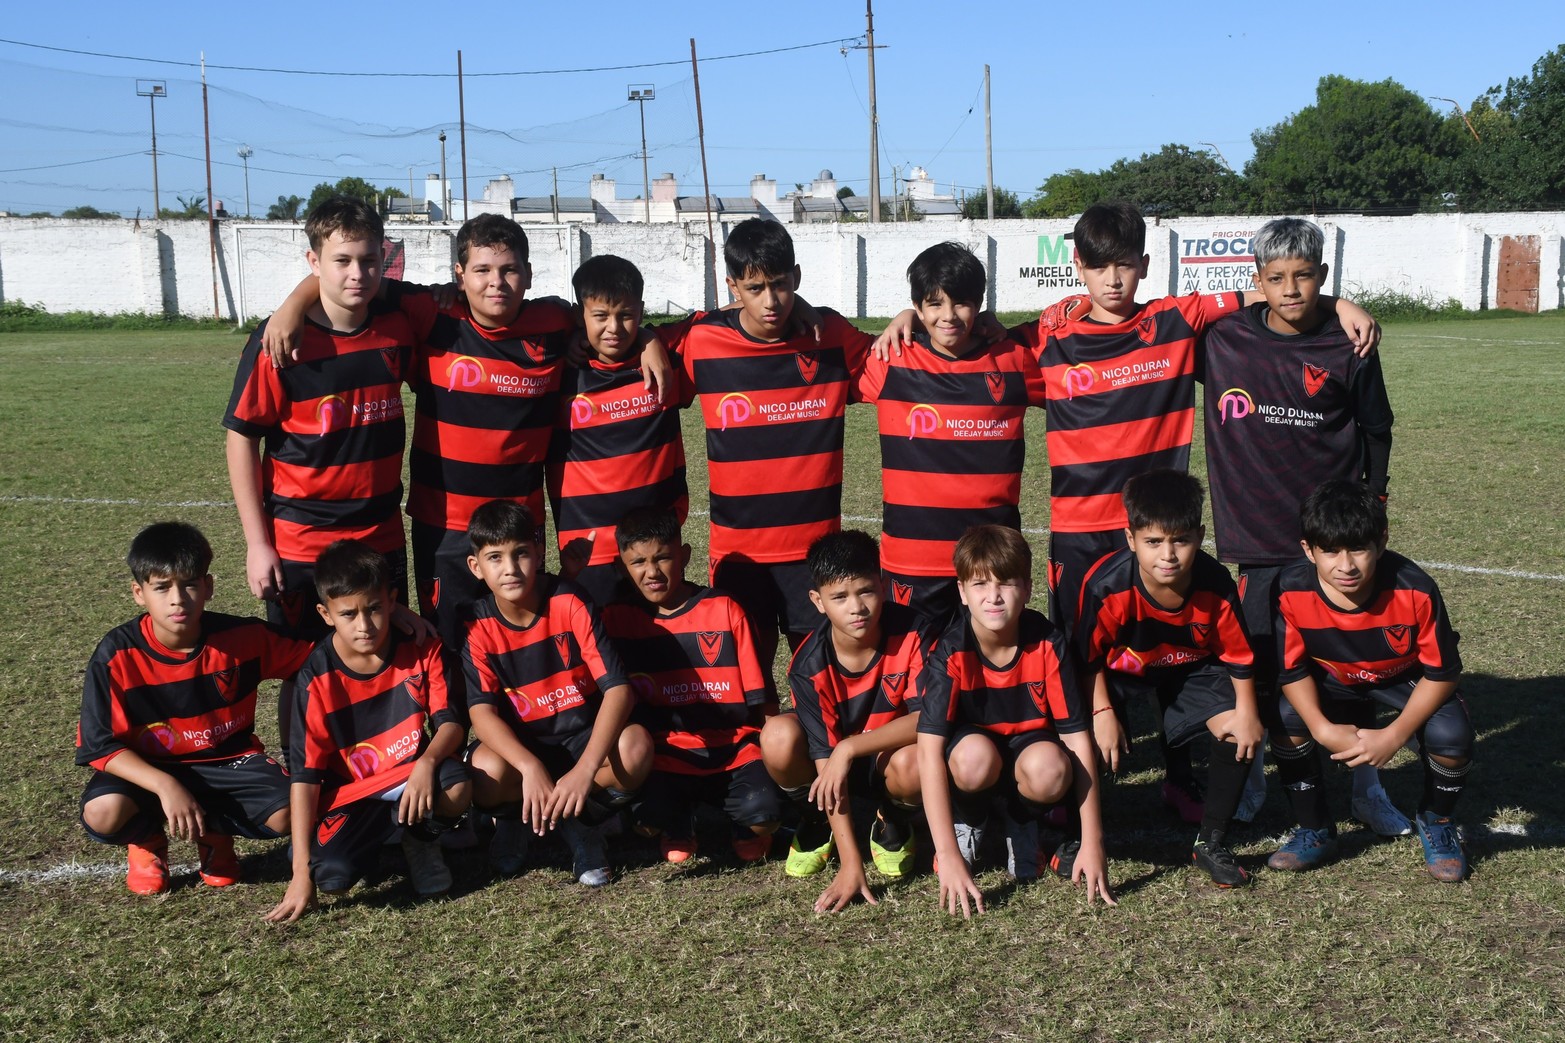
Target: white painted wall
(858, 269)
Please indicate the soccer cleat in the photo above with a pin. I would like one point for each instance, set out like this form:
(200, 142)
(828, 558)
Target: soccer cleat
(1442, 848)
(1304, 849)
(219, 864)
(1254, 797)
(1185, 799)
(893, 862)
(427, 869)
(508, 846)
(1063, 861)
(802, 863)
(147, 865)
(1213, 856)
(752, 848)
(677, 849)
(589, 857)
(1374, 809)
(1021, 849)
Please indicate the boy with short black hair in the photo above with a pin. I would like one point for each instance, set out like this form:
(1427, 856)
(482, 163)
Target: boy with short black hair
(700, 691)
(1358, 627)
(548, 698)
(951, 410)
(618, 445)
(1001, 709)
(773, 403)
(854, 721)
(1161, 617)
(168, 719)
(1289, 404)
(363, 761)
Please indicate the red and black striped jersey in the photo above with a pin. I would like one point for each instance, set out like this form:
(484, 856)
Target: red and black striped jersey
(1120, 628)
(1121, 400)
(834, 703)
(356, 735)
(1402, 633)
(616, 448)
(698, 684)
(1284, 414)
(774, 425)
(1036, 689)
(547, 679)
(951, 446)
(331, 432)
(180, 706)
(486, 403)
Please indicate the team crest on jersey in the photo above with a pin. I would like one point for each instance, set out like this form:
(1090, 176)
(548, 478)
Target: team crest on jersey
(329, 827)
(562, 645)
(227, 683)
(1146, 329)
(1035, 690)
(415, 685)
(996, 384)
(1056, 573)
(893, 685)
(1314, 379)
(393, 357)
(1399, 638)
(711, 645)
(429, 594)
(1198, 632)
(292, 604)
(809, 365)
(534, 350)
(1244, 584)
(901, 593)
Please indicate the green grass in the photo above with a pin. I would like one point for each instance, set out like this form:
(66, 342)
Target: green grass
(1368, 949)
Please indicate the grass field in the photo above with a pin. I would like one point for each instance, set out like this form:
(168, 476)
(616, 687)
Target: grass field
(103, 432)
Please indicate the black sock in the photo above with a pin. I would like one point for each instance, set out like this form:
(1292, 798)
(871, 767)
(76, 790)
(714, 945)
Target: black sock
(1176, 762)
(971, 808)
(1442, 786)
(1225, 779)
(1299, 769)
(893, 824)
(814, 828)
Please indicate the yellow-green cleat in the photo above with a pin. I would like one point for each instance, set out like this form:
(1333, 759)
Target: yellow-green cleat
(803, 863)
(894, 863)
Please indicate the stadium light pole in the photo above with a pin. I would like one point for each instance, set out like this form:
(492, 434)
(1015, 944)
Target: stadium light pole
(245, 152)
(152, 90)
(1457, 106)
(641, 94)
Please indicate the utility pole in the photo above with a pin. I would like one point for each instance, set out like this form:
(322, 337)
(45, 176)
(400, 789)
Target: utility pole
(152, 90)
(641, 94)
(874, 118)
(988, 146)
(445, 186)
(1462, 114)
(1219, 153)
(245, 152)
(461, 115)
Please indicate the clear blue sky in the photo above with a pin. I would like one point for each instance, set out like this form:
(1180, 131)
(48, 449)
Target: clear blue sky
(1075, 85)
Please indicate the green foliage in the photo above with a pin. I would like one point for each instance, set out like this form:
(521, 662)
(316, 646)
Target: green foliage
(844, 192)
(189, 209)
(1396, 306)
(85, 213)
(1361, 146)
(1174, 181)
(287, 208)
(352, 187)
(1517, 161)
(976, 206)
(1065, 194)
(19, 316)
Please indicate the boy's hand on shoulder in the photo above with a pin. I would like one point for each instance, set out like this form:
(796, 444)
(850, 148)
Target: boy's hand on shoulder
(578, 352)
(657, 370)
(264, 571)
(804, 320)
(1361, 327)
(576, 554)
(281, 336)
(988, 328)
(183, 815)
(412, 624)
(1092, 869)
(958, 888)
(897, 334)
(444, 295)
(1067, 310)
(848, 884)
(298, 900)
(418, 796)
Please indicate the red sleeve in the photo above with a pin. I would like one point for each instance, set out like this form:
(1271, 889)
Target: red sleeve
(310, 747)
(258, 403)
(597, 652)
(282, 656)
(1203, 309)
(673, 334)
(96, 743)
(854, 341)
(432, 659)
(416, 303)
(750, 666)
(1229, 639)
(871, 381)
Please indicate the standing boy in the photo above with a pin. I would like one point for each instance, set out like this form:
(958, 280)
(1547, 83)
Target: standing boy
(855, 717)
(376, 741)
(1360, 627)
(1161, 618)
(1002, 716)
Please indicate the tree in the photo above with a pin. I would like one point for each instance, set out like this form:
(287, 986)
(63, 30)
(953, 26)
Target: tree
(1173, 182)
(976, 206)
(86, 212)
(1518, 158)
(193, 207)
(845, 192)
(285, 209)
(1361, 146)
(351, 187)
(1065, 194)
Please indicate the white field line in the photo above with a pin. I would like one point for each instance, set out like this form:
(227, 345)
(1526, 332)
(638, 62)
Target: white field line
(1438, 566)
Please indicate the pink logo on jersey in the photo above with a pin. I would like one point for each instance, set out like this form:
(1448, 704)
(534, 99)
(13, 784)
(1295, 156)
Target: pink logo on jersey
(464, 372)
(581, 410)
(1078, 380)
(156, 739)
(332, 413)
(643, 686)
(922, 421)
(363, 760)
(734, 409)
(520, 702)
(1235, 404)
(1125, 661)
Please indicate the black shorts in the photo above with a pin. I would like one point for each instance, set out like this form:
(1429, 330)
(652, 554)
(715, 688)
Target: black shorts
(348, 839)
(294, 610)
(775, 597)
(558, 757)
(1071, 554)
(444, 581)
(1187, 696)
(236, 795)
(747, 795)
(1447, 733)
(1009, 746)
(1258, 600)
(933, 597)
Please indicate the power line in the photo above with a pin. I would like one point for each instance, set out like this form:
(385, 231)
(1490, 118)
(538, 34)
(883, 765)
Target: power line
(73, 163)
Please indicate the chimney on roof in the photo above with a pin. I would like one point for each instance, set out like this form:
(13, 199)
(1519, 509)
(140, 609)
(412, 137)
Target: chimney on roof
(602, 189)
(763, 190)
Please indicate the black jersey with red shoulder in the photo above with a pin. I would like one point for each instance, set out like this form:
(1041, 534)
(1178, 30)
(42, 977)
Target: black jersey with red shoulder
(1036, 690)
(951, 446)
(180, 706)
(356, 735)
(1120, 627)
(1121, 399)
(1402, 633)
(774, 425)
(331, 431)
(486, 405)
(546, 679)
(1284, 414)
(617, 447)
(833, 703)
(698, 684)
